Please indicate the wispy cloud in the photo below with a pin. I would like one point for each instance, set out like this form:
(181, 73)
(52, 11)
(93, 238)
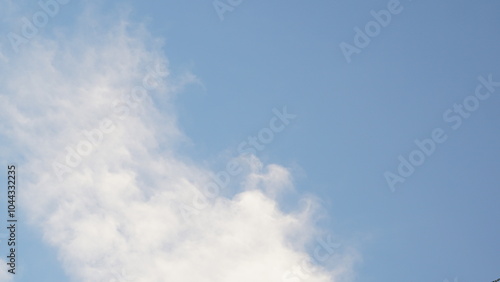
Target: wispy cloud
(117, 214)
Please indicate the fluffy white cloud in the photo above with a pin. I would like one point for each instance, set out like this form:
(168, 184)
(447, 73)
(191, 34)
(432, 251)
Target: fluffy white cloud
(102, 179)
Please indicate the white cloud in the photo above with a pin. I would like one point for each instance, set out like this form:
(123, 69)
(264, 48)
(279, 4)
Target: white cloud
(4, 274)
(117, 215)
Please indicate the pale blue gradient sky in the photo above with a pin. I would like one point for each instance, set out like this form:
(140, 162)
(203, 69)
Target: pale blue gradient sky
(354, 120)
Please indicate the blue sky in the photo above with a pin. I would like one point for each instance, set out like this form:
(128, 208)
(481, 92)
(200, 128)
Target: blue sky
(355, 115)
